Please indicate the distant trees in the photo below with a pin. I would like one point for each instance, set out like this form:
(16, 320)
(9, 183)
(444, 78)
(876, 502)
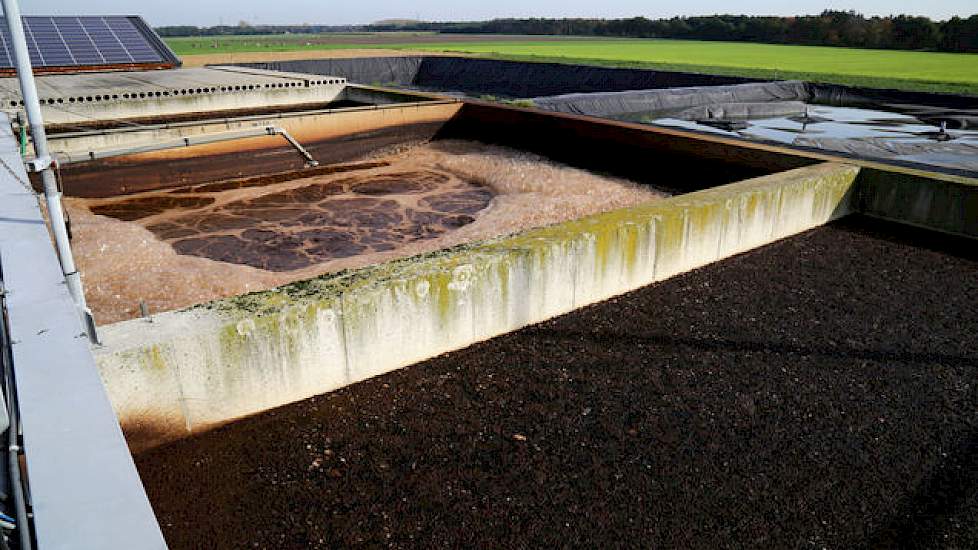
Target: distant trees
(960, 35)
(914, 33)
(244, 28)
(181, 30)
(830, 28)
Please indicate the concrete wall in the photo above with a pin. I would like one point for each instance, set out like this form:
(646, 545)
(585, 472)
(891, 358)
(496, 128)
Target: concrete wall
(330, 136)
(305, 126)
(934, 201)
(189, 370)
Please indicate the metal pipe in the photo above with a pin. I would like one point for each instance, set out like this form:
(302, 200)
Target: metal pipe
(13, 446)
(42, 163)
(302, 150)
(258, 131)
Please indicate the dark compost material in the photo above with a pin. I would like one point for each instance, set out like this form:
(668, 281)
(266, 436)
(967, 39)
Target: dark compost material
(819, 392)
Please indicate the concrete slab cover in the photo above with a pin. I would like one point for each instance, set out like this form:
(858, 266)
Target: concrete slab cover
(70, 85)
(90, 97)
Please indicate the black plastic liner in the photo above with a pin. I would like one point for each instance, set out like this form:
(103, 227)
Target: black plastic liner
(966, 154)
(960, 119)
(505, 79)
(959, 112)
(376, 71)
(758, 100)
(522, 79)
(752, 99)
(744, 111)
(835, 94)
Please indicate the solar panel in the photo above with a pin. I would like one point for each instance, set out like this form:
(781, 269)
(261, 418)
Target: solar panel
(66, 44)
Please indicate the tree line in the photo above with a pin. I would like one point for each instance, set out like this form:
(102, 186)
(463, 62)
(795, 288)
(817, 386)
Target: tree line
(830, 28)
(244, 28)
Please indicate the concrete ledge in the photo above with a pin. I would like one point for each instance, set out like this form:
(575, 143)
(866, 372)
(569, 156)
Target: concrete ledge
(933, 201)
(190, 370)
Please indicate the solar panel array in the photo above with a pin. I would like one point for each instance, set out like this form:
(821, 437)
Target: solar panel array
(65, 42)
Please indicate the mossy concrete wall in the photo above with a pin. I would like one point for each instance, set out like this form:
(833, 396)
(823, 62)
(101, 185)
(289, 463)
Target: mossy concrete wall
(190, 370)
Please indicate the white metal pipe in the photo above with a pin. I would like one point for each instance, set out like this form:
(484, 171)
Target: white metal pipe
(64, 158)
(52, 195)
(288, 137)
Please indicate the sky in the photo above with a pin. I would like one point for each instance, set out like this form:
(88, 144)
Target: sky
(213, 12)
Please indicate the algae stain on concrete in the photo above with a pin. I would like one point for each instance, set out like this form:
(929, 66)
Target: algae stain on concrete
(155, 359)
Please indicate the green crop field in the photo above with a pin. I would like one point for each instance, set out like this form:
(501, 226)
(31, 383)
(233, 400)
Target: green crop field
(926, 71)
(196, 45)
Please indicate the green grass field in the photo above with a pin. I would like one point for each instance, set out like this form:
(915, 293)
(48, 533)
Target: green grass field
(195, 45)
(925, 71)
